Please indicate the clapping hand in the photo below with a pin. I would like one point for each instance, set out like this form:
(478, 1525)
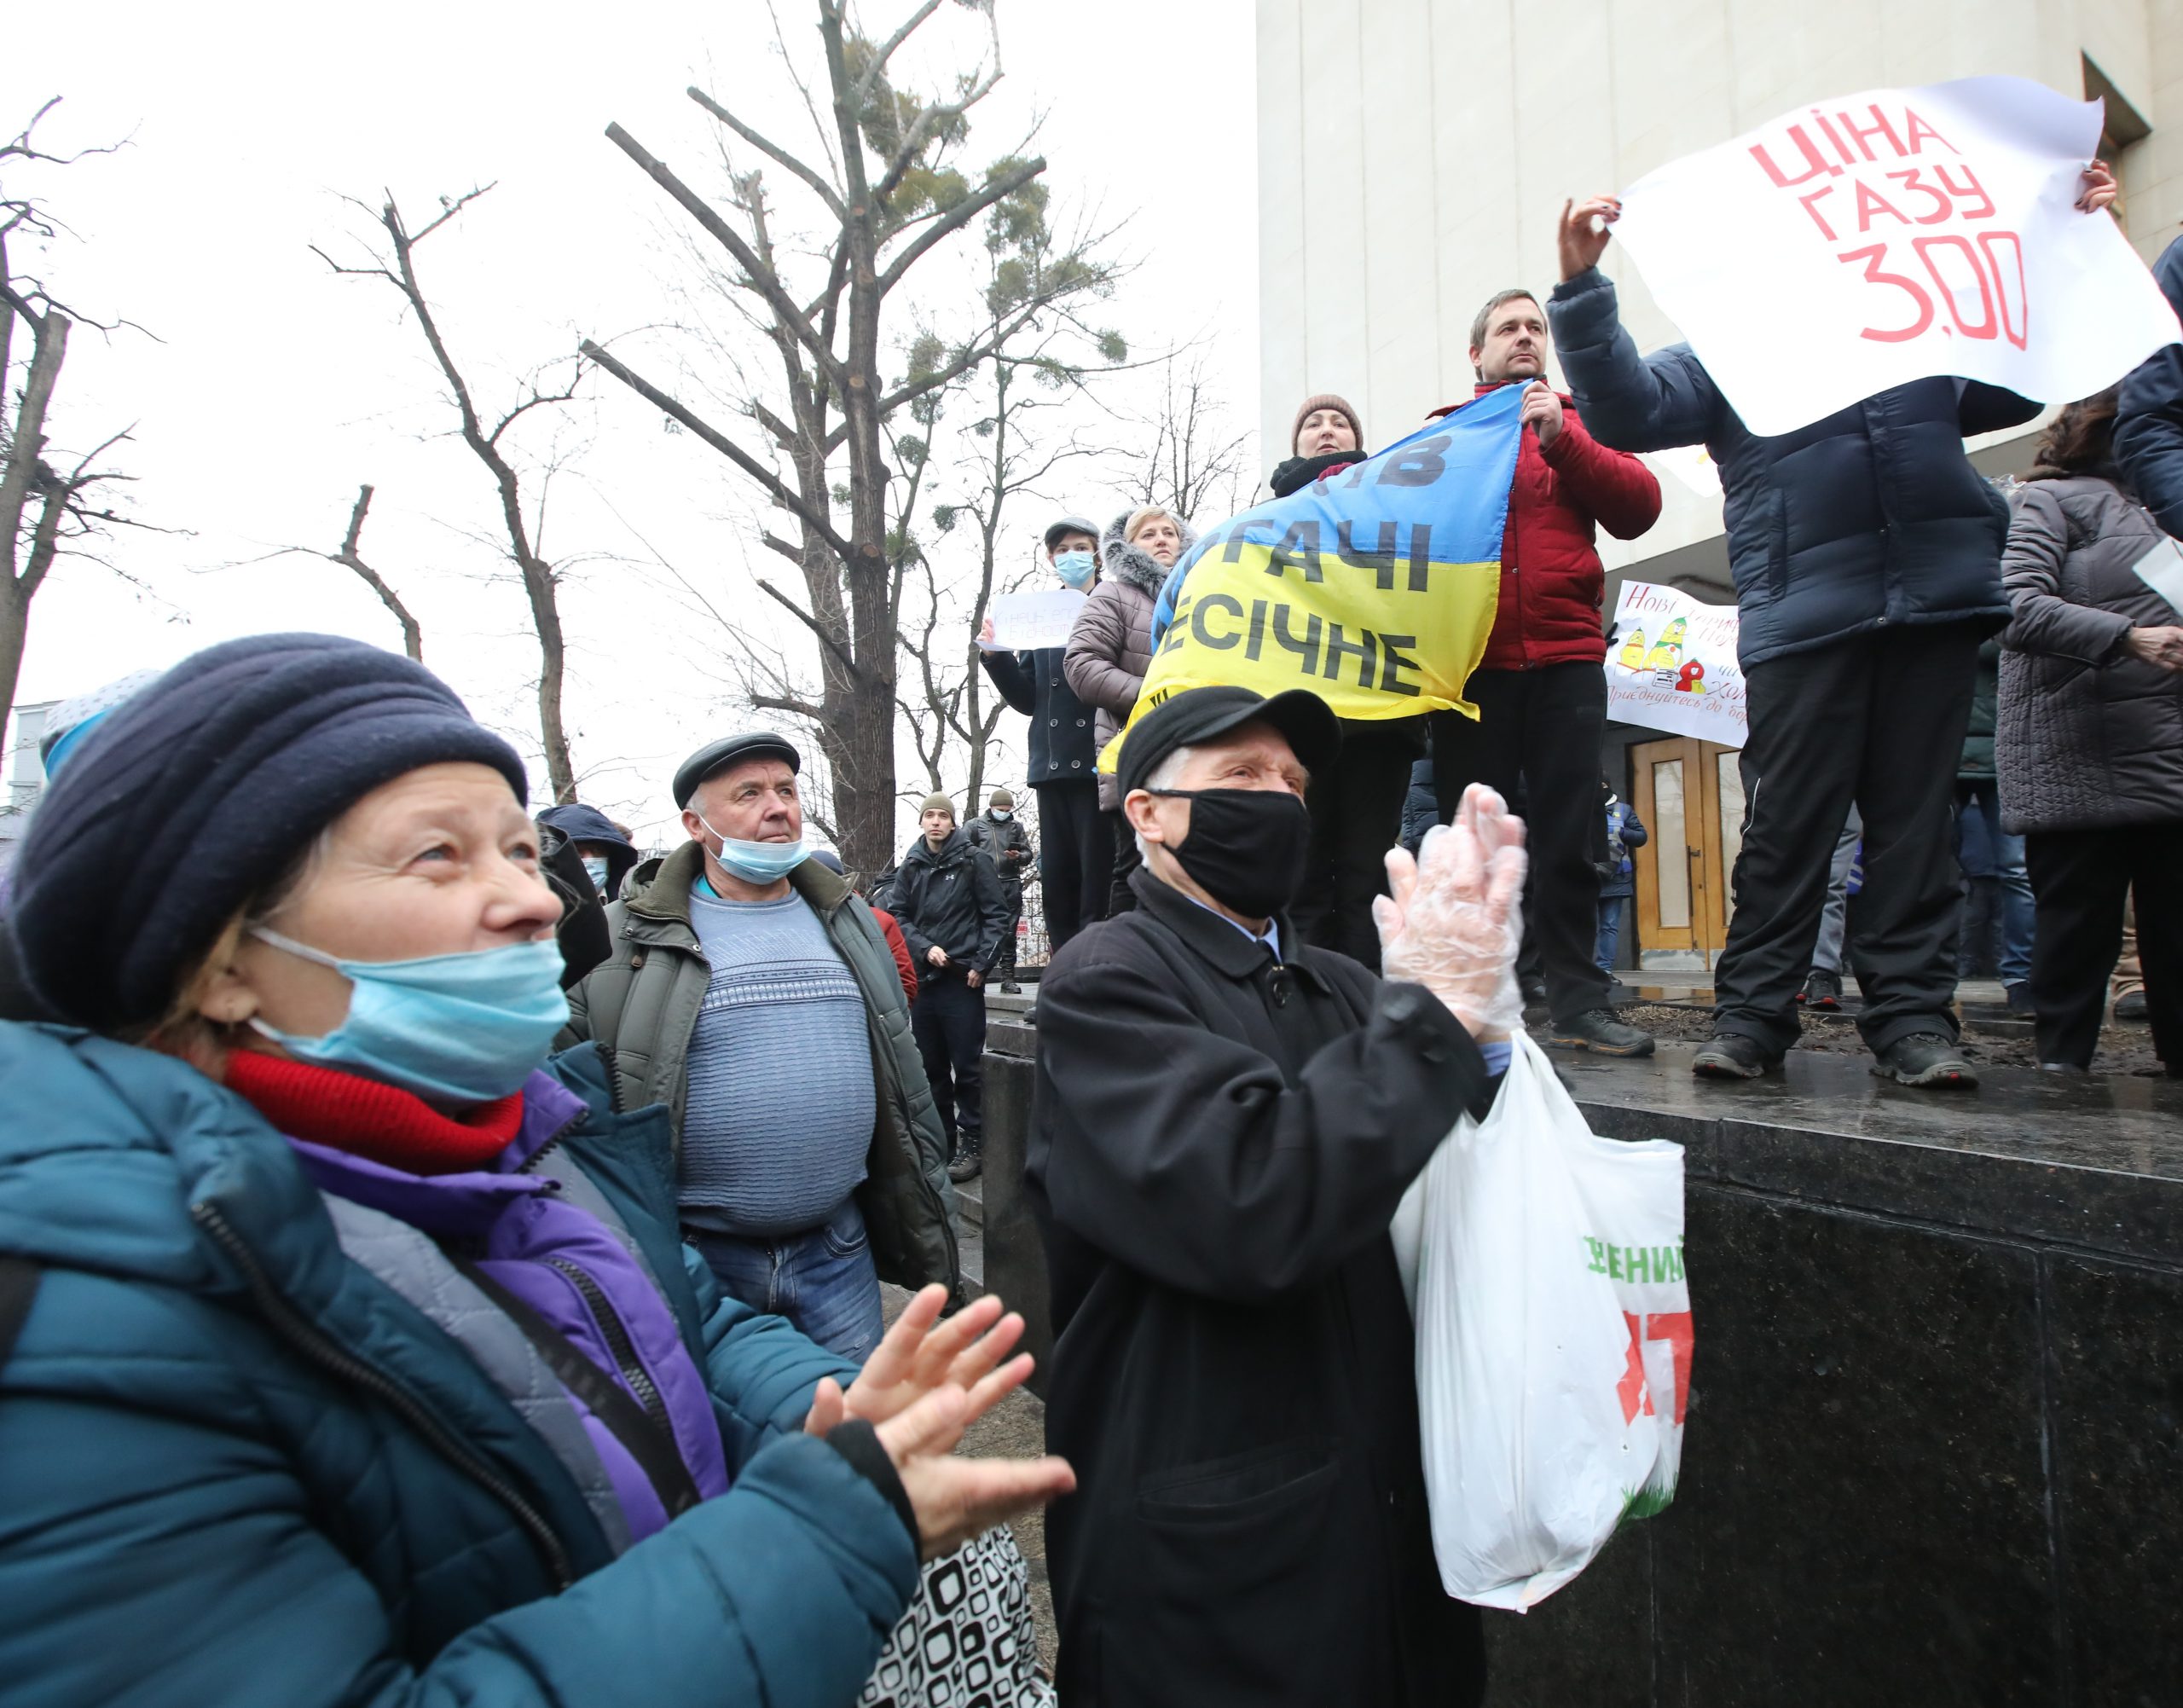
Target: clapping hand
(1455, 920)
(920, 1390)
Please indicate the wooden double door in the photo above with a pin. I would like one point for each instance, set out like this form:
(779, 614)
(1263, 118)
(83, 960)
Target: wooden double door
(1690, 795)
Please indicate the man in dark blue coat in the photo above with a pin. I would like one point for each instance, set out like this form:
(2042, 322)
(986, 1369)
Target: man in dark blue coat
(1076, 848)
(1867, 555)
(2148, 421)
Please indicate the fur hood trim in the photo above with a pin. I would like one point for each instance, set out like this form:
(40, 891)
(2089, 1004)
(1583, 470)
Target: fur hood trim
(1121, 561)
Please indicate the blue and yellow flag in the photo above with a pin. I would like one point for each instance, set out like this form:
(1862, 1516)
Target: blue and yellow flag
(1375, 588)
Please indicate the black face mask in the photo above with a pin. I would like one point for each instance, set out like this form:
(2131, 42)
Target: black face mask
(1246, 846)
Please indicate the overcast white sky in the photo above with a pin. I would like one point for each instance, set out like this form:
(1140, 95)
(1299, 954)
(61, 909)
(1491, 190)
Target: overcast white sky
(275, 388)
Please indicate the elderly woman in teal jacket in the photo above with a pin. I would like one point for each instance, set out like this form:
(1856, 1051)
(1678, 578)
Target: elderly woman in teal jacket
(347, 1352)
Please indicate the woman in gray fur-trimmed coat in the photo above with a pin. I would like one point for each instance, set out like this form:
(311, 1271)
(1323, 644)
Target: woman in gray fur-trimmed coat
(1110, 649)
(2089, 735)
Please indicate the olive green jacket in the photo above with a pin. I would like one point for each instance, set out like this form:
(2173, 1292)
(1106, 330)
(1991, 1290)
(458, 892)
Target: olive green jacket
(642, 1005)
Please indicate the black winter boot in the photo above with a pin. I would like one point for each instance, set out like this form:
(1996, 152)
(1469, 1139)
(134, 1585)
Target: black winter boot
(968, 1161)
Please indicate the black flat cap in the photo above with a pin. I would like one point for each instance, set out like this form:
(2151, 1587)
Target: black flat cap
(1071, 524)
(715, 757)
(1198, 715)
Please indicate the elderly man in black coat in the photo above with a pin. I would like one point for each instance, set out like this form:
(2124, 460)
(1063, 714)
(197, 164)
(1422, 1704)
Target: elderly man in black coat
(1225, 1119)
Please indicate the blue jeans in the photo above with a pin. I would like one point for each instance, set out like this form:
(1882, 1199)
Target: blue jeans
(1610, 932)
(1986, 850)
(823, 1281)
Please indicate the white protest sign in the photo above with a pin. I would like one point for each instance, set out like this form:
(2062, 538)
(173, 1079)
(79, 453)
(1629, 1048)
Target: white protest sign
(1892, 235)
(1671, 665)
(2162, 570)
(1025, 621)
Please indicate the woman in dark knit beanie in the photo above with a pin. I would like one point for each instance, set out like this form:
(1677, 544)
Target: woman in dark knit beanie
(341, 1330)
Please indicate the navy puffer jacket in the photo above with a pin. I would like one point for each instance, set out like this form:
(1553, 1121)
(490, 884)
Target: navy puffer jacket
(2149, 422)
(1871, 518)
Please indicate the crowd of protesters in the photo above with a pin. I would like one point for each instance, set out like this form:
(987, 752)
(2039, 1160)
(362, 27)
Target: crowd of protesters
(441, 1251)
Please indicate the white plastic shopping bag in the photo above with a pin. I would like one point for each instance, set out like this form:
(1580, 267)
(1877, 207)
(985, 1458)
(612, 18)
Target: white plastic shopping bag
(1544, 1267)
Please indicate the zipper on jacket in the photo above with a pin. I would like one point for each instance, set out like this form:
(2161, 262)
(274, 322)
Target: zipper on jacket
(619, 1346)
(329, 1355)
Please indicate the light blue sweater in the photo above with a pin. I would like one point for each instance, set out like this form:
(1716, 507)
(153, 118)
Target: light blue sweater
(781, 1099)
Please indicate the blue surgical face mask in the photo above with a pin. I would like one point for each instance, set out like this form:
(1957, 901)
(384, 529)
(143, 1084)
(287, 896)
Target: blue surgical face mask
(457, 1029)
(1075, 568)
(758, 862)
(595, 866)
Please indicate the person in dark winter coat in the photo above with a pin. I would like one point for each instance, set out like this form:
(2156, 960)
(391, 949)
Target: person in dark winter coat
(1224, 1120)
(947, 898)
(2149, 414)
(1540, 692)
(1000, 834)
(1866, 556)
(2089, 737)
(1998, 902)
(1356, 806)
(1110, 649)
(1617, 872)
(1077, 847)
(350, 1353)
(607, 850)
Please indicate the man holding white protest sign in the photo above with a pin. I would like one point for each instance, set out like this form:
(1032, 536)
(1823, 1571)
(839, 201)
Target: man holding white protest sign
(1077, 851)
(1866, 548)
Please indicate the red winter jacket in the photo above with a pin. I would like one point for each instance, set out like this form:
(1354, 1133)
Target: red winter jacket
(1552, 582)
(905, 969)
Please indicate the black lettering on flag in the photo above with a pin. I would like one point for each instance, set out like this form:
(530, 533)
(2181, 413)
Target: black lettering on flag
(1305, 646)
(1338, 649)
(1392, 659)
(1239, 536)
(1420, 465)
(1178, 625)
(1381, 561)
(1216, 601)
(1299, 545)
(1256, 643)
(1420, 554)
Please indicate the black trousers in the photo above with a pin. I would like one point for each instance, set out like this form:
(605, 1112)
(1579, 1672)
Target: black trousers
(1876, 721)
(1124, 859)
(948, 1020)
(1542, 729)
(1076, 856)
(2079, 879)
(1003, 963)
(1356, 807)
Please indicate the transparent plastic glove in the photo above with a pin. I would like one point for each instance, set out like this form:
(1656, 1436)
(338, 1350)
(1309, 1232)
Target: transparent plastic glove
(1455, 919)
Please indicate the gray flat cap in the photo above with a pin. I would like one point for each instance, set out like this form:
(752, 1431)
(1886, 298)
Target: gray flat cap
(1071, 524)
(715, 757)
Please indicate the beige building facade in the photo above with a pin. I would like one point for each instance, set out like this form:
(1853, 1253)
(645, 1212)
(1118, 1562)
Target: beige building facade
(1415, 154)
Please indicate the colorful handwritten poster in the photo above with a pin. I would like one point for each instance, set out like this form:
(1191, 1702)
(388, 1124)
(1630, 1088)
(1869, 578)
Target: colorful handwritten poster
(1671, 665)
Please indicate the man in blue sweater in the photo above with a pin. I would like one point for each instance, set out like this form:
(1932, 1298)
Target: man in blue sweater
(756, 997)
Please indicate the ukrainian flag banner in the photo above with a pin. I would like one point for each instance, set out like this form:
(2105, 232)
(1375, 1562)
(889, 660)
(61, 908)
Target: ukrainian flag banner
(1375, 588)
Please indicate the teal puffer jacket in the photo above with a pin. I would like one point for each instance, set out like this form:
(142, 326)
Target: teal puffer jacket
(237, 1469)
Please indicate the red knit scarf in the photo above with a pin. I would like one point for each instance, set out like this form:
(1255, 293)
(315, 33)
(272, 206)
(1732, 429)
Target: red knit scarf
(369, 1120)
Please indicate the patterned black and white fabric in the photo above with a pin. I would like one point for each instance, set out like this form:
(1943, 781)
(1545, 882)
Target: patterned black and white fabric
(967, 1640)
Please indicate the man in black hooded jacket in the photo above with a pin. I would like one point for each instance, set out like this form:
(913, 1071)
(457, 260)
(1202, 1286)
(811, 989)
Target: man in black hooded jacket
(1224, 1121)
(946, 897)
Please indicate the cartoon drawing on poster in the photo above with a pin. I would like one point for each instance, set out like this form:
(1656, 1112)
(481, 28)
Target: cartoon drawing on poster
(1685, 679)
(1900, 233)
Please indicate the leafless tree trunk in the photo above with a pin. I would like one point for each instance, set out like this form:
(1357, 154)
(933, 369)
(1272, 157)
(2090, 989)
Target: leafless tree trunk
(886, 200)
(43, 507)
(541, 586)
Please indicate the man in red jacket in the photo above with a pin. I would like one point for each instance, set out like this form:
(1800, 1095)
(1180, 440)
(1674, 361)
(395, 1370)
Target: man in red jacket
(1540, 691)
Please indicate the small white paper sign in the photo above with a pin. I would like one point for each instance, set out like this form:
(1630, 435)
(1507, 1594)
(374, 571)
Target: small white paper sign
(1892, 234)
(1025, 621)
(2162, 570)
(1671, 665)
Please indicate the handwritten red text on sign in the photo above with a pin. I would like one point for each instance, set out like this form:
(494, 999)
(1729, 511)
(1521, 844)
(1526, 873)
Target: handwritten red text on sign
(1870, 184)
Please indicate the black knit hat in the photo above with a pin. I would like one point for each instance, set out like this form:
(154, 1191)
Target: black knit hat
(200, 791)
